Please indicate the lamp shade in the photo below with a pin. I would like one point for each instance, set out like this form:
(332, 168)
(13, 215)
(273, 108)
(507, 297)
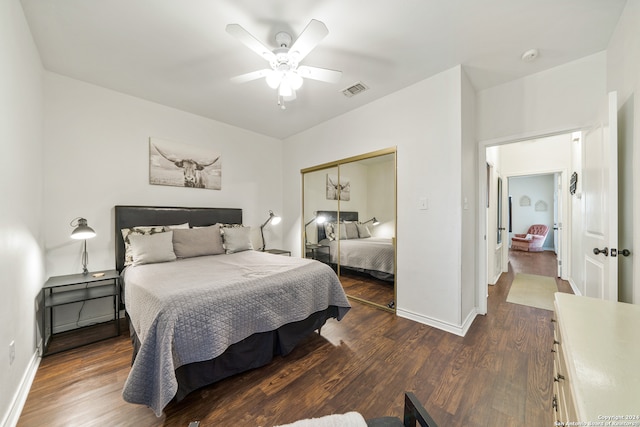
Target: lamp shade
(82, 230)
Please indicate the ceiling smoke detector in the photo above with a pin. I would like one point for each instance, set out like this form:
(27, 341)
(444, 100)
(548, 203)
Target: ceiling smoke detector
(354, 89)
(530, 55)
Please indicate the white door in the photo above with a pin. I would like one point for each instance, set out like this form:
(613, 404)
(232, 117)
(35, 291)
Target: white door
(600, 204)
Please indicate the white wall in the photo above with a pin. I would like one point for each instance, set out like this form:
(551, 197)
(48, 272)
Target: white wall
(623, 76)
(21, 226)
(471, 297)
(560, 99)
(97, 156)
(424, 122)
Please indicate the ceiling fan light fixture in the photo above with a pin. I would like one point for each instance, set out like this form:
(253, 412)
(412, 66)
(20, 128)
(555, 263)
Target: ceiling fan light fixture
(294, 80)
(285, 89)
(273, 79)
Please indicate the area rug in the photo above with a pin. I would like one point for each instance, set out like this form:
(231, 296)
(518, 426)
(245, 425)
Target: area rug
(532, 290)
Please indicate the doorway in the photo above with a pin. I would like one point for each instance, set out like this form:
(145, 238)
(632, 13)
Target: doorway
(551, 156)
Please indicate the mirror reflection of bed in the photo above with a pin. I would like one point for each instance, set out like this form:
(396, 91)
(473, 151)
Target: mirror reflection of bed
(366, 260)
(348, 194)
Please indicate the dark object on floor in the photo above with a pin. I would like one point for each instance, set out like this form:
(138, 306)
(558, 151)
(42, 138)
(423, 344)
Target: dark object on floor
(413, 412)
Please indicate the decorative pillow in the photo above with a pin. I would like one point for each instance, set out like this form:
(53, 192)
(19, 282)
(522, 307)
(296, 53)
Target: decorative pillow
(330, 230)
(363, 230)
(351, 230)
(198, 242)
(529, 237)
(141, 230)
(152, 248)
(236, 239)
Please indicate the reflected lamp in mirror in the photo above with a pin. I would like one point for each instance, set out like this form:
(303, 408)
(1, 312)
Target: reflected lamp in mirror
(82, 232)
(273, 219)
(373, 221)
(318, 220)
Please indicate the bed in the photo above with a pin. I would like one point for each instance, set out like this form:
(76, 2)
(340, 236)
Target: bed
(371, 255)
(199, 319)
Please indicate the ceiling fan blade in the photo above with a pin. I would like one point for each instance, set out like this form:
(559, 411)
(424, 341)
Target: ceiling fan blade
(251, 42)
(243, 78)
(322, 74)
(308, 39)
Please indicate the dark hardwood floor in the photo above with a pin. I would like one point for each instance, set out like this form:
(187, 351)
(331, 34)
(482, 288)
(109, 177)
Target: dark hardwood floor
(363, 286)
(499, 374)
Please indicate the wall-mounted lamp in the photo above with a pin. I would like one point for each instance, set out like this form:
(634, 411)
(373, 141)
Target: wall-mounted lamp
(273, 219)
(318, 220)
(373, 221)
(82, 232)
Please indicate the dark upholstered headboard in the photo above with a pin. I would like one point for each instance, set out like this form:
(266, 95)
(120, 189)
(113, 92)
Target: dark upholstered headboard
(131, 216)
(332, 216)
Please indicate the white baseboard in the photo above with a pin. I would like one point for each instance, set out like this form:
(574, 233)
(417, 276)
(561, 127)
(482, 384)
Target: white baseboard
(11, 418)
(574, 287)
(459, 330)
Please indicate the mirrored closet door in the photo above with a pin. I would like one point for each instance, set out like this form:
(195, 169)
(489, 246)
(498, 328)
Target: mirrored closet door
(349, 212)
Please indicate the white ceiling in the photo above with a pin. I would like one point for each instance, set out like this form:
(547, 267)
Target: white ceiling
(177, 53)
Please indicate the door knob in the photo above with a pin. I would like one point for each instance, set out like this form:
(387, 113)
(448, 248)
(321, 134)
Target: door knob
(604, 251)
(624, 252)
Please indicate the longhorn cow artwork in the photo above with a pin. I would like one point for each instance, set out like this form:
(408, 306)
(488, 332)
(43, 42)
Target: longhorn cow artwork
(182, 165)
(338, 189)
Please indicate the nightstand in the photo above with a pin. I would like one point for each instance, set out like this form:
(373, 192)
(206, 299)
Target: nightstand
(318, 252)
(62, 290)
(278, 251)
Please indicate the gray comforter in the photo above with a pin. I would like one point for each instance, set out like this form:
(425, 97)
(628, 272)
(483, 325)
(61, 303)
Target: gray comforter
(369, 254)
(191, 310)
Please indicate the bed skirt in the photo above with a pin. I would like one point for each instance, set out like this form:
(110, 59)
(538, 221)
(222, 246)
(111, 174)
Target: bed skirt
(253, 352)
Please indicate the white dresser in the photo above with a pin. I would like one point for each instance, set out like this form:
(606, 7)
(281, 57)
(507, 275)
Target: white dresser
(596, 362)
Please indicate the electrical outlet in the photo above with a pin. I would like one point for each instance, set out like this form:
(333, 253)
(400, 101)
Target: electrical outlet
(12, 352)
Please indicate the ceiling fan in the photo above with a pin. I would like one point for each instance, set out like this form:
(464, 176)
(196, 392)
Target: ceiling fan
(285, 74)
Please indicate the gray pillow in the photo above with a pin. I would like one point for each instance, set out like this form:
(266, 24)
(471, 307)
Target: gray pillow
(236, 239)
(197, 242)
(343, 231)
(152, 248)
(363, 230)
(352, 230)
(144, 229)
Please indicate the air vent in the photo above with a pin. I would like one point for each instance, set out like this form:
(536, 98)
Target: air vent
(354, 89)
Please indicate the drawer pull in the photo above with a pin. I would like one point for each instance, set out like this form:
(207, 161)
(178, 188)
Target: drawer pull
(553, 350)
(556, 342)
(558, 378)
(553, 320)
(554, 403)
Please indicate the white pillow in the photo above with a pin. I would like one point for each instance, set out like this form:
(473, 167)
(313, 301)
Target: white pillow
(236, 239)
(152, 248)
(529, 237)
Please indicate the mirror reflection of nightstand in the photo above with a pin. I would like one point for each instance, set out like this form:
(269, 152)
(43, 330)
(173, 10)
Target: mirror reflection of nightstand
(318, 252)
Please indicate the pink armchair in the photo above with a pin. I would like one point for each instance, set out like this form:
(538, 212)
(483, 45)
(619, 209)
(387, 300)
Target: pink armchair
(536, 234)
